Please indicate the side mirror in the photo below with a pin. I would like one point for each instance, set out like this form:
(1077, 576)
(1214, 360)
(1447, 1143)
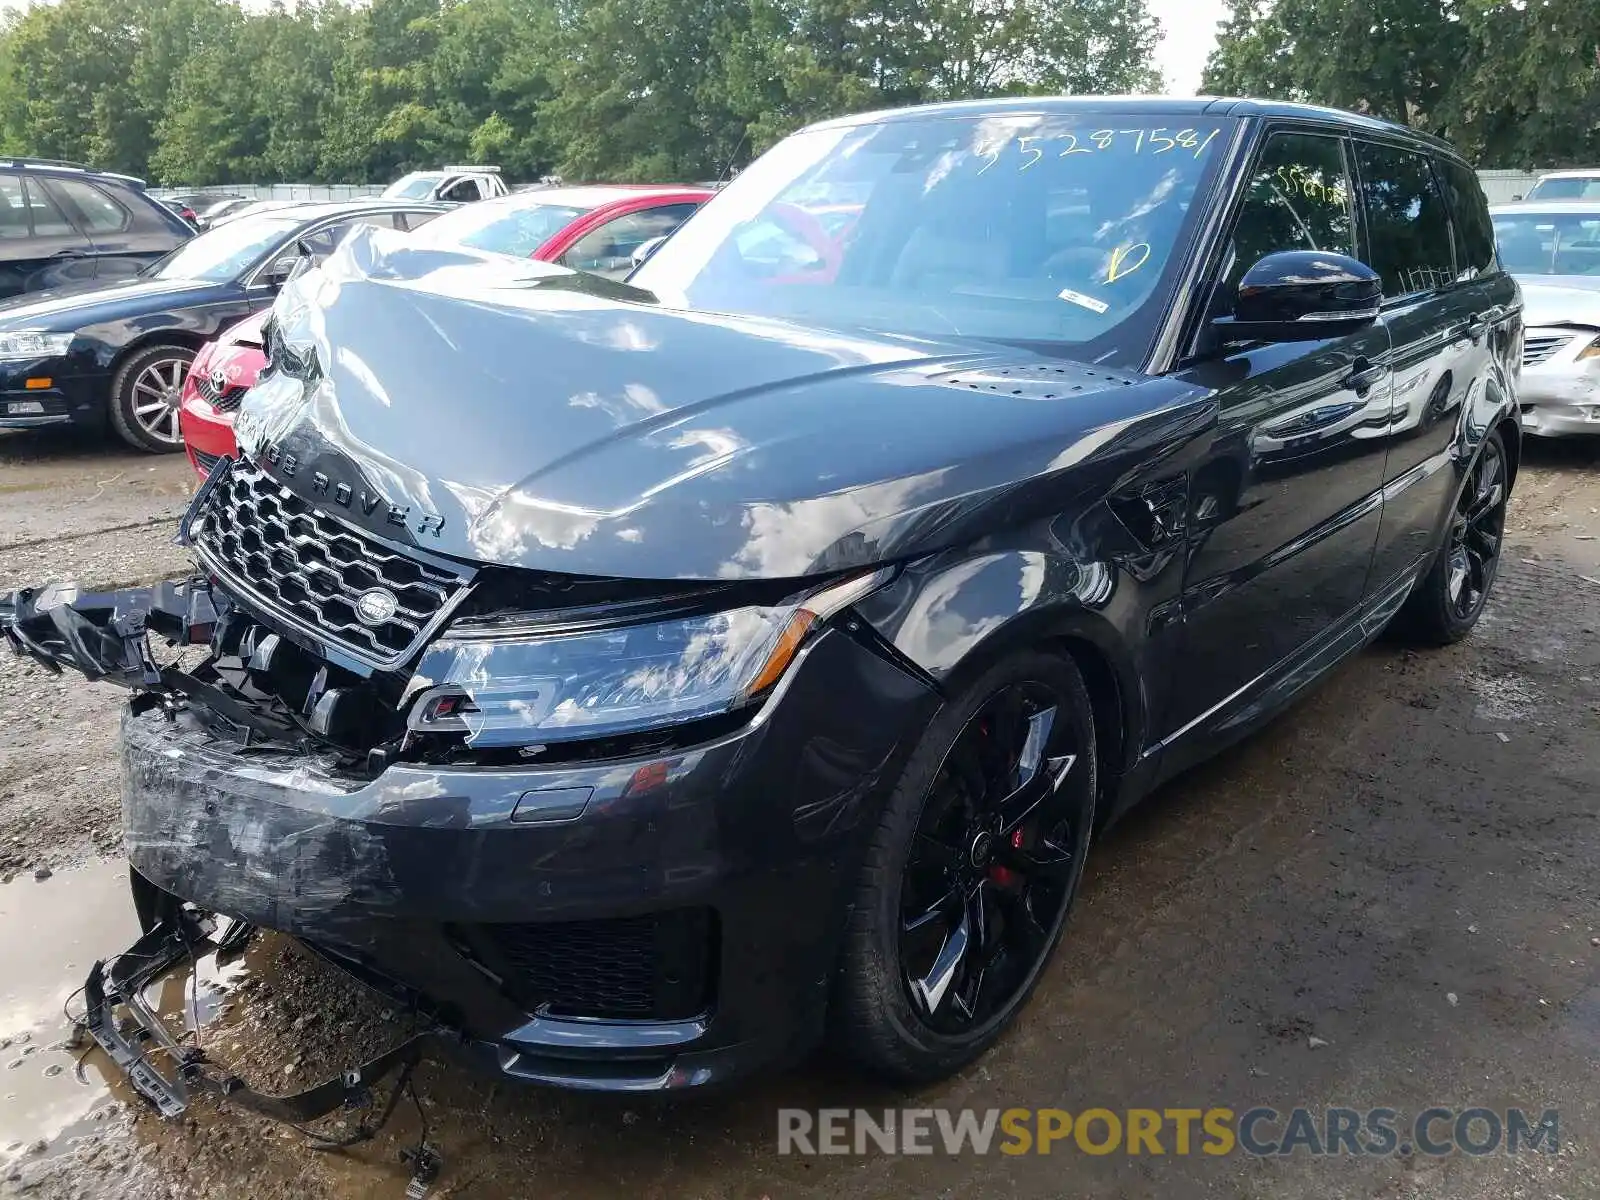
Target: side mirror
(289, 267)
(1518, 196)
(645, 249)
(1302, 296)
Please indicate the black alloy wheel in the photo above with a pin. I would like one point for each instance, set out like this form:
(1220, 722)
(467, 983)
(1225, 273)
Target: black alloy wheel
(1446, 603)
(970, 880)
(1475, 533)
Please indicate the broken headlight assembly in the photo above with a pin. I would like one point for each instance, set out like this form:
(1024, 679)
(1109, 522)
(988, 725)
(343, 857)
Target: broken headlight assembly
(507, 683)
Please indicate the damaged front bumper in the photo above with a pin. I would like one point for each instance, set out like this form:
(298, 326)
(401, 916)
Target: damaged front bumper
(656, 921)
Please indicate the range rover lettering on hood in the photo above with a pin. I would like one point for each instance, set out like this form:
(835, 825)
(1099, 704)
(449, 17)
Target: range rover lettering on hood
(518, 413)
(339, 494)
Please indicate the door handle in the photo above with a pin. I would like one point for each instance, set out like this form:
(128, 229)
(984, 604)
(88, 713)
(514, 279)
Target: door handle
(1318, 419)
(1363, 374)
(1478, 324)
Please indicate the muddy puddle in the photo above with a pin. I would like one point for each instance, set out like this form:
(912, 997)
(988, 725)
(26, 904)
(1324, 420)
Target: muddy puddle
(55, 1089)
(51, 931)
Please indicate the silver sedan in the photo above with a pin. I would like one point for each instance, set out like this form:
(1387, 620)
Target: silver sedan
(1553, 249)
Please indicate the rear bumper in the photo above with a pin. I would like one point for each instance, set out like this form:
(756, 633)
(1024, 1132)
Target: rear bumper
(704, 904)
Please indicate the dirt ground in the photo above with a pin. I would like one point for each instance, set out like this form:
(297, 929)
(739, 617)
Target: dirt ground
(1391, 897)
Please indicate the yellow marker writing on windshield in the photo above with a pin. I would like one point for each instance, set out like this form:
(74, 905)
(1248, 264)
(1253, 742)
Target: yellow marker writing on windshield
(1127, 259)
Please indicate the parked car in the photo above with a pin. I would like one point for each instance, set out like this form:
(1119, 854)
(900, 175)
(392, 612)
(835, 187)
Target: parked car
(649, 679)
(595, 229)
(217, 210)
(1566, 185)
(182, 209)
(1560, 390)
(254, 208)
(64, 223)
(449, 185)
(1553, 249)
(116, 355)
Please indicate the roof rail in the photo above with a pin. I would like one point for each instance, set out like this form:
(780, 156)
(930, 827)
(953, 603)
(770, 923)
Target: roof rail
(26, 160)
(488, 170)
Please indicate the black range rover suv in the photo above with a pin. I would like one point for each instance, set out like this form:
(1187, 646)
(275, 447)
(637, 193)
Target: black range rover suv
(650, 680)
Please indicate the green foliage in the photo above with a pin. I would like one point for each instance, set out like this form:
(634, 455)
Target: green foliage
(198, 91)
(1514, 83)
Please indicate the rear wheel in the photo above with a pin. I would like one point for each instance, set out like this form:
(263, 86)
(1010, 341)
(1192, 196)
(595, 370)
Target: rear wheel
(971, 872)
(1447, 602)
(145, 395)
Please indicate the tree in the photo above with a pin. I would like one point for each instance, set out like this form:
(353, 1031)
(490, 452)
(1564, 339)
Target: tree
(1511, 82)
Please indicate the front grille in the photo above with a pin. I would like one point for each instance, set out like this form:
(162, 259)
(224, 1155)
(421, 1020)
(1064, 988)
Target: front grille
(206, 462)
(223, 399)
(309, 568)
(654, 967)
(1536, 350)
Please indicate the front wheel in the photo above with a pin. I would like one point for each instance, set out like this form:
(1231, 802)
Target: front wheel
(1446, 602)
(970, 874)
(145, 395)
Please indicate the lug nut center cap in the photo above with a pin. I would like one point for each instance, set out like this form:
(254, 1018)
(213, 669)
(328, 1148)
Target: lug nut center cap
(982, 850)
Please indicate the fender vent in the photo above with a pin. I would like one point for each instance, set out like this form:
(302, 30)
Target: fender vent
(1037, 381)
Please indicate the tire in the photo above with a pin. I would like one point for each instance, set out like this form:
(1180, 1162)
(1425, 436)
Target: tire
(153, 374)
(1446, 603)
(887, 1014)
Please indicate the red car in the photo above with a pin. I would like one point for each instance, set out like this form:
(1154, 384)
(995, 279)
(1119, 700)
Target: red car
(594, 229)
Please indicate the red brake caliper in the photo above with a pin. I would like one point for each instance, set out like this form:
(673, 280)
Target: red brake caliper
(1005, 876)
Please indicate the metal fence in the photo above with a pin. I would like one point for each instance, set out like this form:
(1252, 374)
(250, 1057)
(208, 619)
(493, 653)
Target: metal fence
(281, 191)
(1504, 186)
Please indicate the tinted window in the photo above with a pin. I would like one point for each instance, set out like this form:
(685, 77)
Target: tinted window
(413, 220)
(1298, 198)
(1470, 212)
(1408, 231)
(1549, 243)
(96, 211)
(948, 226)
(324, 241)
(609, 249)
(48, 220)
(13, 208)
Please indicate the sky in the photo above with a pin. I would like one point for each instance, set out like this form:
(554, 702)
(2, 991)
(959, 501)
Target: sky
(1189, 30)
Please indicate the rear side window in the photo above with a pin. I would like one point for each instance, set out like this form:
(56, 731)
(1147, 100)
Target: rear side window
(48, 219)
(96, 211)
(1298, 198)
(1470, 212)
(13, 209)
(1408, 229)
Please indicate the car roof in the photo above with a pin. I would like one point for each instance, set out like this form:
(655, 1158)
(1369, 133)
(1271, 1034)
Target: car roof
(1571, 173)
(1551, 207)
(1167, 106)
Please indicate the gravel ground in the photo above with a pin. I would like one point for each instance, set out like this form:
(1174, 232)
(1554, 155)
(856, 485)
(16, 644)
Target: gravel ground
(1390, 897)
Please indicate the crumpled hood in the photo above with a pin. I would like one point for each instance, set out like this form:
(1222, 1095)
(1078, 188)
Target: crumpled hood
(518, 413)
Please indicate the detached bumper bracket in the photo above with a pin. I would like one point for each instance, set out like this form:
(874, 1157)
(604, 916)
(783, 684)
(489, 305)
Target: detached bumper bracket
(124, 1026)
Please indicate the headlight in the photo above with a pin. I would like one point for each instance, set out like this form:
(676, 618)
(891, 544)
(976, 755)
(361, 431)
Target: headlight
(1592, 350)
(18, 347)
(606, 680)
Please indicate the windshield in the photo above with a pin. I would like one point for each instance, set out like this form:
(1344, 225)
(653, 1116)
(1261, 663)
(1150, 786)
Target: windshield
(1573, 187)
(1058, 228)
(518, 226)
(225, 252)
(1549, 243)
(411, 187)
